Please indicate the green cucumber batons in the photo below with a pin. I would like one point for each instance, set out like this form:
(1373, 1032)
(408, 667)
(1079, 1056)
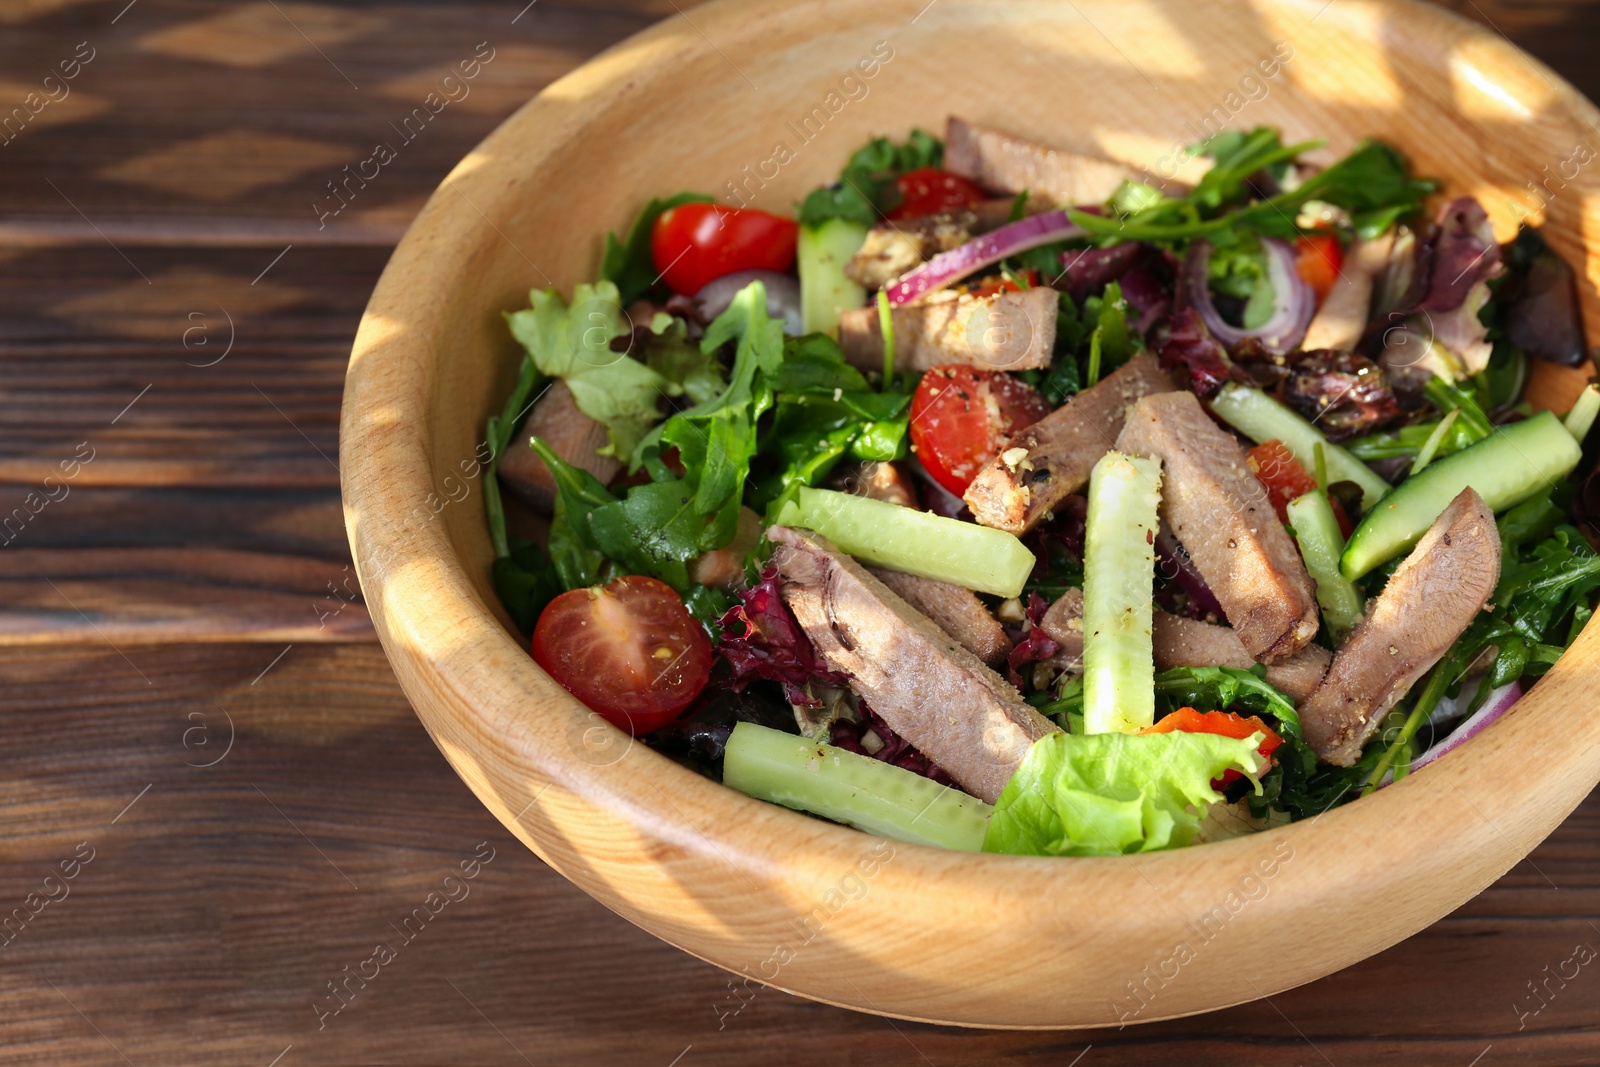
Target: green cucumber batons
(1511, 465)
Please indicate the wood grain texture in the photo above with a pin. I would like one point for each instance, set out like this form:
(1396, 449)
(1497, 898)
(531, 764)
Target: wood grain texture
(664, 847)
(205, 924)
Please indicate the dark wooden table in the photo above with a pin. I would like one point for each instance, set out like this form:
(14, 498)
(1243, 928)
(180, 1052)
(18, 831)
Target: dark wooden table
(215, 799)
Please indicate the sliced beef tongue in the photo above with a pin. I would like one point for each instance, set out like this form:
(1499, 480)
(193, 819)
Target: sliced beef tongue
(1006, 331)
(1051, 459)
(571, 434)
(1006, 164)
(1181, 642)
(1221, 514)
(1342, 318)
(930, 690)
(957, 611)
(1433, 596)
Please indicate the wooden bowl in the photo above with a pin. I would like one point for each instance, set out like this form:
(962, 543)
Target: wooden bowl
(821, 910)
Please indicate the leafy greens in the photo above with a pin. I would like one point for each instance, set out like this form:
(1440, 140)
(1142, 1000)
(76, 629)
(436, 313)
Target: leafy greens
(1111, 794)
(865, 189)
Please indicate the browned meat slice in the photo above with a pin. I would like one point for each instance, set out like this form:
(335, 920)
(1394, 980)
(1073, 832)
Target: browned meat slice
(1063, 623)
(1432, 597)
(1220, 512)
(957, 611)
(1181, 642)
(1051, 459)
(931, 691)
(724, 567)
(571, 434)
(1005, 164)
(1007, 331)
(1342, 318)
(880, 481)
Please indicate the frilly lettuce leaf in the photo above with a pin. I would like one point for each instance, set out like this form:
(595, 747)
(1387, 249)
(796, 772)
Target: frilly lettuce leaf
(1109, 794)
(573, 342)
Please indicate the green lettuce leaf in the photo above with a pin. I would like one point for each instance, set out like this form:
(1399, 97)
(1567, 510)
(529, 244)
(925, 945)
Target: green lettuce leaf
(574, 343)
(1110, 794)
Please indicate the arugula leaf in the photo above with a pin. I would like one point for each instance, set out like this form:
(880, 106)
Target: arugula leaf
(525, 582)
(1110, 343)
(498, 431)
(825, 411)
(577, 556)
(1373, 183)
(1237, 156)
(628, 263)
(865, 187)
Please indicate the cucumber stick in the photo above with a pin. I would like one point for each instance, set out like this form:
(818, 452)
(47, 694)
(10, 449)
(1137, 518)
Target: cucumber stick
(825, 289)
(1119, 566)
(1321, 545)
(1507, 467)
(1261, 418)
(916, 542)
(1583, 412)
(848, 787)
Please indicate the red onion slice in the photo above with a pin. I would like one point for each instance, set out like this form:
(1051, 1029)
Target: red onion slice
(1176, 565)
(1293, 301)
(947, 268)
(1494, 706)
(783, 297)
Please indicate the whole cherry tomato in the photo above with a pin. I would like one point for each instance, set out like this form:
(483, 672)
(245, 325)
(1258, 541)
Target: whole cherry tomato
(693, 244)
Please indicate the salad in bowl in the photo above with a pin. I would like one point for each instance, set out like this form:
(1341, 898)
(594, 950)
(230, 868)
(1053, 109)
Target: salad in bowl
(1014, 500)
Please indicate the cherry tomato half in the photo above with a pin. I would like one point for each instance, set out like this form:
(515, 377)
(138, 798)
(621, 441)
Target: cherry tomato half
(999, 283)
(628, 649)
(1225, 723)
(930, 190)
(961, 417)
(1318, 258)
(693, 244)
(1284, 479)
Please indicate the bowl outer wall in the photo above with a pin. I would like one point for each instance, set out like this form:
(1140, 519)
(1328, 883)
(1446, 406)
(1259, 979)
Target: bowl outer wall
(817, 909)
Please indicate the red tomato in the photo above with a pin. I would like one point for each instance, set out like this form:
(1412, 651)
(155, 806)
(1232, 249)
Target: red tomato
(1002, 284)
(930, 190)
(1284, 479)
(1318, 259)
(693, 244)
(628, 649)
(1225, 723)
(961, 417)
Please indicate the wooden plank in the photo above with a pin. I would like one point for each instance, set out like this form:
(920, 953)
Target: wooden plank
(224, 368)
(217, 908)
(132, 596)
(245, 112)
(296, 522)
